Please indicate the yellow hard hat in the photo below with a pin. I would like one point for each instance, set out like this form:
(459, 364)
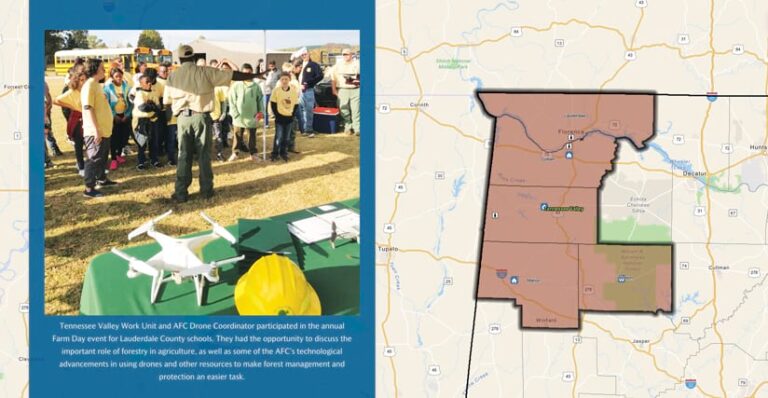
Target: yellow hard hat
(275, 286)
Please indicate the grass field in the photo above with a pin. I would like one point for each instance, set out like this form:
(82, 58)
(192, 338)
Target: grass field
(77, 229)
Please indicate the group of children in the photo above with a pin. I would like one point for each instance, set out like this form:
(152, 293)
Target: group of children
(238, 110)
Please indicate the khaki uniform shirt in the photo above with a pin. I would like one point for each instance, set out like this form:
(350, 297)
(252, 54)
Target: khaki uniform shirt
(345, 68)
(192, 87)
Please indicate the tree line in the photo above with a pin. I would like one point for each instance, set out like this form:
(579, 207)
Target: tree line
(56, 40)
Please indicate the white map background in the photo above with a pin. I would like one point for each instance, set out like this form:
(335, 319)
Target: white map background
(14, 200)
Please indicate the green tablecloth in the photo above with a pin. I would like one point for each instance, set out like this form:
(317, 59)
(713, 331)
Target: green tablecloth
(334, 273)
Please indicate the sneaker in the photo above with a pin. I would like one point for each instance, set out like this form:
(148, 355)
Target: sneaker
(178, 199)
(311, 135)
(232, 157)
(113, 165)
(81, 172)
(48, 164)
(172, 163)
(273, 158)
(121, 159)
(284, 157)
(219, 157)
(105, 183)
(206, 195)
(141, 166)
(57, 152)
(157, 165)
(93, 193)
(127, 151)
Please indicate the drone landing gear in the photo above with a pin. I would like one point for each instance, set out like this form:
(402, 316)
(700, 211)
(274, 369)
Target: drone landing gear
(157, 281)
(199, 287)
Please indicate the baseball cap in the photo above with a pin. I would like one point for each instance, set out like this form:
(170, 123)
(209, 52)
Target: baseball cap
(185, 51)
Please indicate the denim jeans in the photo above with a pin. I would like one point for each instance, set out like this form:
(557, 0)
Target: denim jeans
(266, 110)
(153, 143)
(282, 136)
(219, 136)
(306, 109)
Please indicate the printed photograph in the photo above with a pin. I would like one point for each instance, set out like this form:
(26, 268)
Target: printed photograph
(194, 172)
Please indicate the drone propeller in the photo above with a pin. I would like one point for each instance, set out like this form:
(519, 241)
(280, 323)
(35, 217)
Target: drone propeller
(205, 268)
(218, 229)
(148, 225)
(136, 264)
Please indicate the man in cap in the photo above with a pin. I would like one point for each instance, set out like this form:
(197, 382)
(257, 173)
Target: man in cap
(310, 75)
(189, 91)
(345, 84)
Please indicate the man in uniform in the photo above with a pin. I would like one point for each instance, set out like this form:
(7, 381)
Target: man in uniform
(310, 75)
(345, 84)
(189, 91)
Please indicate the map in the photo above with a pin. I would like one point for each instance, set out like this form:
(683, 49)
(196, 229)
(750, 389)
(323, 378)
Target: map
(571, 198)
(14, 200)
(540, 247)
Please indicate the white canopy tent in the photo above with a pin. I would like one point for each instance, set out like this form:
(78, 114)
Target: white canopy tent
(238, 52)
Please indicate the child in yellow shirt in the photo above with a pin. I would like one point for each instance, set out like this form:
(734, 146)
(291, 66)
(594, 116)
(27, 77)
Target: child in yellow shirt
(284, 102)
(146, 105)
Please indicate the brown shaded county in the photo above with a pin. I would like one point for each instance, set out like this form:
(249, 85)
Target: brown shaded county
(535, 131)
(515, 214)
(540, 238)
(546, 284)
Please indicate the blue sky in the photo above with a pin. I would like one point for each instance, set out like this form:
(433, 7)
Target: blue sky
(276, 39)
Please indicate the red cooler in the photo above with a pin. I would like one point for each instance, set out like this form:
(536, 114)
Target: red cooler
(325, 120)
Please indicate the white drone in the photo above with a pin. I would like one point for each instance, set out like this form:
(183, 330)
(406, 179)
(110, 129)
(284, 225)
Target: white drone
(350, 232)
(179, 256)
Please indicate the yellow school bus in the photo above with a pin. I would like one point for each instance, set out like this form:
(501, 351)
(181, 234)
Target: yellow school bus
(145, 55)
(163, 56)
(64, 59)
